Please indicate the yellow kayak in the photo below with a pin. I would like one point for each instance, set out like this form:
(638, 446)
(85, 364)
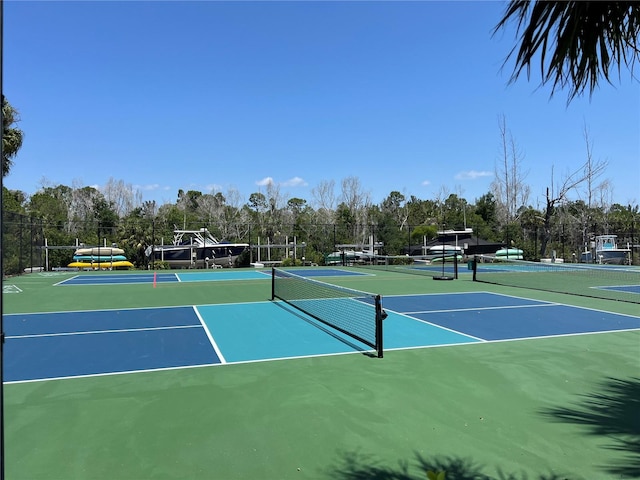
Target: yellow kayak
(118, 264)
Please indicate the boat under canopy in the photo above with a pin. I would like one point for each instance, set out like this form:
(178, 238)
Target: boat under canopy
(196, 249)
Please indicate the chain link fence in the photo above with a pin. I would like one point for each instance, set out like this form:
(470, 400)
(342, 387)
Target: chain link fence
(30, 245)
(22, 243)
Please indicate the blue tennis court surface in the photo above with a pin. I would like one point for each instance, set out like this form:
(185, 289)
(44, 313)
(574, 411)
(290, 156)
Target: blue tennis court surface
(327, 272)
(492, 317)
(199, 276)
(69, 344)
(54, 345)
(623, 288)
(119, 279)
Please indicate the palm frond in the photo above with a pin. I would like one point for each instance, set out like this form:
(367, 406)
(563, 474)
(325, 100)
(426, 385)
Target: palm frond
(577, 43)
(11, 137)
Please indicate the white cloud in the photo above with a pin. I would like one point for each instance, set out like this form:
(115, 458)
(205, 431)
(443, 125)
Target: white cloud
(292, 182)
(472, 175)
(426, 183)
(265, 181)
(213, 187)
(295, 182)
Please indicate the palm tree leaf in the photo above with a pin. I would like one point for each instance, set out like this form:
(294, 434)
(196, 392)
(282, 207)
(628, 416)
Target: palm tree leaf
(577, 43)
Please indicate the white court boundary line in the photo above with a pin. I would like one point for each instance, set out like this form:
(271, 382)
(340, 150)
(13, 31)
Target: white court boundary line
(419, 347)
(92, 332)
(302, 357)
(211, 339)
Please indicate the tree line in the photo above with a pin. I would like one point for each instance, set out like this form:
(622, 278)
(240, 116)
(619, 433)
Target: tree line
(335, 215)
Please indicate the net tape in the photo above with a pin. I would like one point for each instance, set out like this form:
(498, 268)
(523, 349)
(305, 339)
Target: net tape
(427, 265)
(612, 282)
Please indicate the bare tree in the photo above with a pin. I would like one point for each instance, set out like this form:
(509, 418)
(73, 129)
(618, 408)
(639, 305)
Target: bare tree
(604, 192)
(588, 165)
(590, 186)
(324, 201)
(353, 210)
(80, 202)
(351, 193)
(275, 203)
(235, 216)
(234, 199)
(276, 199)
(357, 202)
(509, 187)
(224, 211)
(323, 195)
(122, 196)
(441, 196)
(557, 195)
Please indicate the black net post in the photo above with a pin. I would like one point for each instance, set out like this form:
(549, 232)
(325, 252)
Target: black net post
(380, 316)
(273, 284)
(474, 266)
(455, 265)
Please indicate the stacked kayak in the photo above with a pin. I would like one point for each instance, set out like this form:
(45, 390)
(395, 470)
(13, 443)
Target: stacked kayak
(510, 253)
(100, 258)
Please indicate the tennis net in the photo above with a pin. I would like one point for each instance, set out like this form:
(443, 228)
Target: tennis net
(352, 312)
(427, 265)
(612, 282)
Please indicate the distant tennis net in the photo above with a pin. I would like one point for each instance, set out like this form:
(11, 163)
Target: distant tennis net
(612, 282)
(352, 312)
(428, 265)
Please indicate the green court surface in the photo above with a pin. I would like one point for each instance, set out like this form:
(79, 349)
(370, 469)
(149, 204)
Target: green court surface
(547, 408)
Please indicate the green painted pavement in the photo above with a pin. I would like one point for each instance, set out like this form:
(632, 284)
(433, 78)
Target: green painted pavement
(560, 408)
(482, 409)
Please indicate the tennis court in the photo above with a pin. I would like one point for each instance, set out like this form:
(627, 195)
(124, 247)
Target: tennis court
(194, 276)
(202, 375)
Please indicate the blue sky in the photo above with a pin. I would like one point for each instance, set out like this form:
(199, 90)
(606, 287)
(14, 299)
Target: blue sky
(405, 96)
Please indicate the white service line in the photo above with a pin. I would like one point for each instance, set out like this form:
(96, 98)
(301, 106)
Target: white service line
(213, 342)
